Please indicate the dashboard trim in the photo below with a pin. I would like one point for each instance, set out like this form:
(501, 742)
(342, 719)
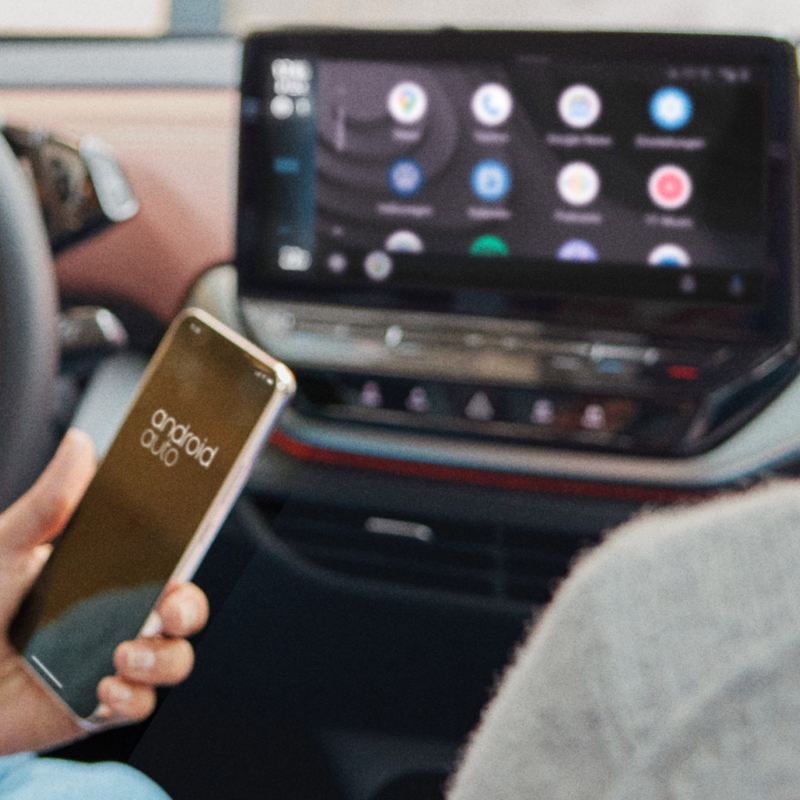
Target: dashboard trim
(761, 445)
(766, 442)
(503, 467)
(497, 480)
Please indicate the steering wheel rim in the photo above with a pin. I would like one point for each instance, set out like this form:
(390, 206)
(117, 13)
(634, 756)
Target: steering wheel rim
(28, 344)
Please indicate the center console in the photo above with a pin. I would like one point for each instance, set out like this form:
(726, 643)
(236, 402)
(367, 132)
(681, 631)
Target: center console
(582, 241)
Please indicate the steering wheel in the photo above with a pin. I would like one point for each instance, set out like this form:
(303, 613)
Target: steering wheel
(28, 345)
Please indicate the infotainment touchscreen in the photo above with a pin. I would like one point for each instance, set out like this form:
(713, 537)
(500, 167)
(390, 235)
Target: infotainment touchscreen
(403, 168)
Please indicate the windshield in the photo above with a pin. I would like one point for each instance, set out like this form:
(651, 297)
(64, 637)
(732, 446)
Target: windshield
(156, 18)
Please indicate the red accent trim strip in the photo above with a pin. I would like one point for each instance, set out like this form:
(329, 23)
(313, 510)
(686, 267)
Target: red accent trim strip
(683, 372)
(497, 480)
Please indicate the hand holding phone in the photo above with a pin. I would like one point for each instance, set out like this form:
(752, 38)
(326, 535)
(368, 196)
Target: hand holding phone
(204, 408)
(30, 718)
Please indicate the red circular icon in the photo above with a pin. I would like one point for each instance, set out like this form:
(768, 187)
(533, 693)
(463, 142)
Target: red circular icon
(670, 187)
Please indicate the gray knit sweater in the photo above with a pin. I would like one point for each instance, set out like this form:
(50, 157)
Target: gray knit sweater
(667, 666)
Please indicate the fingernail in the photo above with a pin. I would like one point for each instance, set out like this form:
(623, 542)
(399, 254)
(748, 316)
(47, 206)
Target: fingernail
(39, 556)
(75, 435)
(139, 658)
(103, 712)
(67, 451)
(71, 466)
(188, 614)
(119, 693)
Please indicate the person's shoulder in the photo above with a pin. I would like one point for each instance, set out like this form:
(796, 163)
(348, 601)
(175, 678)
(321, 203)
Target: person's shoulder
(759, 527)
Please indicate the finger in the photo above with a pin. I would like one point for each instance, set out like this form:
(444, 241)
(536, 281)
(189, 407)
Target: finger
(126, 701)
(41, 513)
(157, 662)
(28, 564)
(183, 610)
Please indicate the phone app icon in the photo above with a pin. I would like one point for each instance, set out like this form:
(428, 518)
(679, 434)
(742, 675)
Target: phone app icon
(404, 241)
(578, 183)
(577, 250)
(407, 102)
(579, 106)
(669, 255)
(671, 108)
(490, 180)
(378, 265)
(670, 187)
(406, 177)
(492, 104)
(488, 245)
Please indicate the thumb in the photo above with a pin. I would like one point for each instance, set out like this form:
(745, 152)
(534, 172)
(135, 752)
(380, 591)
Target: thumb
(41, 513)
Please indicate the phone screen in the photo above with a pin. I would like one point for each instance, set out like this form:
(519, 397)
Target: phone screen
(161, 475)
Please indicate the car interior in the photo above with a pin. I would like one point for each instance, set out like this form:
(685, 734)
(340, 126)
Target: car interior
(531, 278)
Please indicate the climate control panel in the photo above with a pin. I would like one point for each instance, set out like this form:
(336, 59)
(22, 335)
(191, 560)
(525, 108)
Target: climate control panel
(515, 381)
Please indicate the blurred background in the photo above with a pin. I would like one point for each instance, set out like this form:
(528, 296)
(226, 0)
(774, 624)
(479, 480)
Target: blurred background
(191, 17)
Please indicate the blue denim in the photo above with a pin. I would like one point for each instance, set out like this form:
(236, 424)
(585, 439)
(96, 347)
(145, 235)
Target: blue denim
(27, 777)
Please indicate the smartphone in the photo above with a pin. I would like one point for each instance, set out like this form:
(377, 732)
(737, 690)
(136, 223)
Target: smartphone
(205, 405)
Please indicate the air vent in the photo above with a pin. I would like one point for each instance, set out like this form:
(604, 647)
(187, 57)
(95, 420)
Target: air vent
(522, 565)
(535, 560)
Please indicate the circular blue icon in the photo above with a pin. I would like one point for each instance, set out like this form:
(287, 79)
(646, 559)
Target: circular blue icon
(669, 255)
(406, 177)
(671, 108)
(577, 250)
(490, 180)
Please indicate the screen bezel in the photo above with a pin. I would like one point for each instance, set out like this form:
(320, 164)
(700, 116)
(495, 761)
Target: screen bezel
(697, 317)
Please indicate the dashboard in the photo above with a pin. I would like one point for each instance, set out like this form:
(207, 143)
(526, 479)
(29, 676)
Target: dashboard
(524, 362)
(579, 241)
